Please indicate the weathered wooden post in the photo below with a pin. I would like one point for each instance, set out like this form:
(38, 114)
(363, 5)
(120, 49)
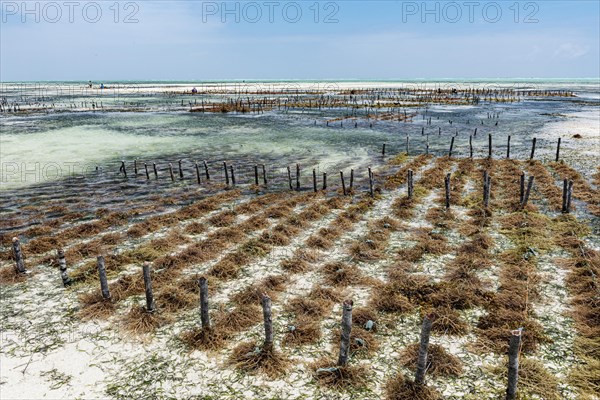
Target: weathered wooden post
(197, 172)
(324, 180)
(383, 150)
(371, 191)
(521, 188)
(451, 147)
(268, 319)
(150, 305)
(345, 336)
(569, 194)
(490, 145)
(533, 148)
(315, 180)
(343, 182)
(527, 192)
(351, 179)
(123, 169)
(470, 146)
(232, 175)
(226, 173)
(410, 183)
(447, 187)
(297, 176)
(135, 168)
(423, 346)
(475, 133)
(180, 170)
(427, 144)
(204, 317)
(103, 280)
(487, 181)
(558, 150)
(256, 174)
(62, 265)
(171, 172)
(18, 255)
(564, 195)
(206, 170)
(508, 147)
(513, 364)
(289, 172)
(264, 171)
(146, 169)
(155, 171)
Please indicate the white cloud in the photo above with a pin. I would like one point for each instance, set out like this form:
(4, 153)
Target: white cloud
(571, 50)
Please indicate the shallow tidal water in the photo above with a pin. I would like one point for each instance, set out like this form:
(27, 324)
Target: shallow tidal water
(39, 148)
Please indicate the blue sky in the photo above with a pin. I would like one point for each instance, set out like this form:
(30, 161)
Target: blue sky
(271, 39)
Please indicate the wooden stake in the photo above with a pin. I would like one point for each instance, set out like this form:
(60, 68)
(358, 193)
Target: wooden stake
(490, 145)
(470, 146)
(486, 189)
(171, 172)
(226, 173)
(345, 336)
(371, 191)
(289, 172)
(123, 169)
(522, 188)
(451, 147)
(508, 148)
(197, 172)
(351, 179)
(569, 193)
(447, 186)
(315, 180)
(62, 265)
(383, 150)
(18, 255)
(564, 195)
(135, 169)
(256, 174)
(232, 175)
(103, 280)
(533, 148)
(264, 171)
(180, 170)
(558, 150)
(423, 345)
(513, 364)
(155, 171)
(343, 182)
(266, 306)
(204, 317)
(150, 305)
(146, 169)
(324, 180)
(206, 170)
(410, 183)
(297, 177)
(528, 191)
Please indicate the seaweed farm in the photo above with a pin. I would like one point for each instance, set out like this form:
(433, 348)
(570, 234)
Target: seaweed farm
(346, 240)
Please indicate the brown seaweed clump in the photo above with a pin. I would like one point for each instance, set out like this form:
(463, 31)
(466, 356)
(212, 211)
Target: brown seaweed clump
(439, 361)
(402, 388)
(339, 377)
(250, 357)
